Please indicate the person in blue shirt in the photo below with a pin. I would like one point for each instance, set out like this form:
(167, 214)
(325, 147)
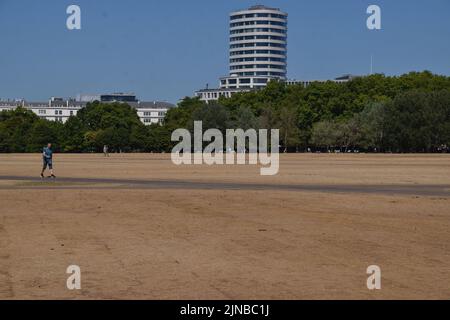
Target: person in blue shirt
(47, 157)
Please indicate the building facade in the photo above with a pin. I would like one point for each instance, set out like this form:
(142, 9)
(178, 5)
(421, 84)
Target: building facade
(113, 97)
(258, 54)
(257, 48)
(54, 110)
(151, 112)
(306, 83)
(208, 95)
(57, 109)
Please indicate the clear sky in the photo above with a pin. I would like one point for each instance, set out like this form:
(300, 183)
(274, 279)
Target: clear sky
(166, 49)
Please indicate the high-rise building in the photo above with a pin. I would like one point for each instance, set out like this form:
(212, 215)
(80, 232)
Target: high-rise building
(258, 48)
(258, 53)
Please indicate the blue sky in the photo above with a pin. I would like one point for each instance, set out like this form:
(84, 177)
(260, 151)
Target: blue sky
(165, 50)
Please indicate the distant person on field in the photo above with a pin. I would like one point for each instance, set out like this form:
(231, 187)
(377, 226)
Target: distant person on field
(105, 151)
(47, 157)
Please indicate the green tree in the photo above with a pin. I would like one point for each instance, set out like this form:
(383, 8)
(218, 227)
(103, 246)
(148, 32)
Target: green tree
(212, 116)
(418, 121)
(373, 122)
(16, 126)
(245, 119)
(41, 133)
(325, 134)
(111, 124)
(287, 124)
(73, 135)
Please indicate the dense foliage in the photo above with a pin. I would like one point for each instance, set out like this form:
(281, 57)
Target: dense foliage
(410, 113)
(114, 124)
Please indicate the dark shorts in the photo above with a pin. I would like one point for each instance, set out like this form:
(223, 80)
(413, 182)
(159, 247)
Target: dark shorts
(49, 163)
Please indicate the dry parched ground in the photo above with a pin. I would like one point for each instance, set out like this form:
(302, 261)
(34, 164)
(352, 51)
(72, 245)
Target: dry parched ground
(215, 242)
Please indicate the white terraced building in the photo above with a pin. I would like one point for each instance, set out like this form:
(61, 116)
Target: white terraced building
(53, 110)
(57, 109)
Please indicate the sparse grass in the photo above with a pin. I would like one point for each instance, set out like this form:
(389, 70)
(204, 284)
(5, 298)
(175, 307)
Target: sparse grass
(167, 243)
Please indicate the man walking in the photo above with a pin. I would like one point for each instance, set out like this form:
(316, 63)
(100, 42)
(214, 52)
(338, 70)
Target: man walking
(47, 157)
(105, 151)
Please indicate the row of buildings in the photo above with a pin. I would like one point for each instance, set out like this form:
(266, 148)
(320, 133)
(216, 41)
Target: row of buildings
(58, 109)
(257, 53)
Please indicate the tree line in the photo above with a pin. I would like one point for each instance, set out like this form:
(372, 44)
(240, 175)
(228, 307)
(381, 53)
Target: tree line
(377, 113)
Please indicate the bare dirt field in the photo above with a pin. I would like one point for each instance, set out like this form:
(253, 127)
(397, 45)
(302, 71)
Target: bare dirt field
(140, 227)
